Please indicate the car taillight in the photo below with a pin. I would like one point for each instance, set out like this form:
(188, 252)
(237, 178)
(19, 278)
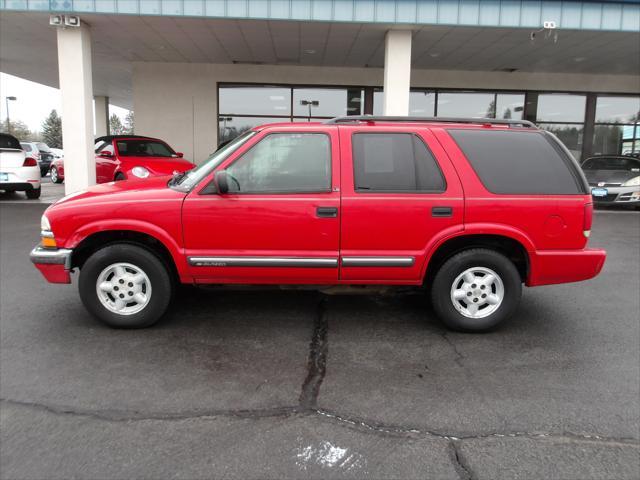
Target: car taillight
(588, 219)
(30, 162)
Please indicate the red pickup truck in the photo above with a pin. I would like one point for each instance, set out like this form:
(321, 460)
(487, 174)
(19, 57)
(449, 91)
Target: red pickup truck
(469, 209)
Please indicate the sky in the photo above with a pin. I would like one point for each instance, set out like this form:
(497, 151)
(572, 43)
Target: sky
(34, 101)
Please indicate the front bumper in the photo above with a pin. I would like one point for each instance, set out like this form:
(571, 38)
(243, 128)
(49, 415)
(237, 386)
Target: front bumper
(549, 267)
(53, 263)
(619, 196)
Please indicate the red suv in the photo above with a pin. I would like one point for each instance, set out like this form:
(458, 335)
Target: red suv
(119, 157)
(468, 209)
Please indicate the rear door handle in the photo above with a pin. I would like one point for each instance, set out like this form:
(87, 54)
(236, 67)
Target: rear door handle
(441, 211)
(327, 212)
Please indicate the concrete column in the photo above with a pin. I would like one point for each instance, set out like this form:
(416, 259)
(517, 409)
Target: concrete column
(76, 89)
(102, 115)
(397, 72)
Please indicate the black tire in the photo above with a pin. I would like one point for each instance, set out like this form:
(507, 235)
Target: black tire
(54, 175)
(43, 171)
(119, 177)
(441, 292)
(33, 193)
(143, 259)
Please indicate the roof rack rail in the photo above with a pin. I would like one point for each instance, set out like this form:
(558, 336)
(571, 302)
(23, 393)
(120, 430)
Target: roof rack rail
(480, 121)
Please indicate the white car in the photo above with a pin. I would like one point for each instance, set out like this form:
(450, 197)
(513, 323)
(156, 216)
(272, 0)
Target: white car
(57, 152)
(18, 171)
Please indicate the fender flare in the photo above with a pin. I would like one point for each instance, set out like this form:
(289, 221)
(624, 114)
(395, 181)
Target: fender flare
(137, 226)
(470, 229)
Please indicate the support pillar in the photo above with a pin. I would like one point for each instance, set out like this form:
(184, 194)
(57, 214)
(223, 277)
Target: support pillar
(102, 115)
(397, 72)
(76, 89)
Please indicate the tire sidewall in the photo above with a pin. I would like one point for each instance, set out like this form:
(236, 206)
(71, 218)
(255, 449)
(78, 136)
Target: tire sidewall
(142, 258)
(452, 268)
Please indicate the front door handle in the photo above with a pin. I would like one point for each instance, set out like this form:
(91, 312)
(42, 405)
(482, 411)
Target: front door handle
(441, 211)
(327, 212)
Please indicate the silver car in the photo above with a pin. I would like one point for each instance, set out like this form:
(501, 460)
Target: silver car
(614, 179)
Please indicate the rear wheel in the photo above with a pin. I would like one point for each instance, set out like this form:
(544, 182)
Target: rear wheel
(54, 175)
(476, 290)
(125, 286)
(33, 193)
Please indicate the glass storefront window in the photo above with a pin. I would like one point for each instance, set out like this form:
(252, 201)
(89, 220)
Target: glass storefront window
(254, 100)
(617, 109)
(466, 104)
(229, 127)
(616, 139)
(422, 103)
(510, 106)
(560, 107)
(332, 102)
(569, 134)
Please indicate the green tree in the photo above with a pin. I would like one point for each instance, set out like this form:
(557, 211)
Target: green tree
(18, 129)
(129, 123)
(52, 130)
(115, 125)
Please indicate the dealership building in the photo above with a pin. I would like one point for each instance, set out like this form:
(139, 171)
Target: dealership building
(199, 72)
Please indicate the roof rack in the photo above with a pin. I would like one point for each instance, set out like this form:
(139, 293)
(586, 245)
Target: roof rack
(479, 121)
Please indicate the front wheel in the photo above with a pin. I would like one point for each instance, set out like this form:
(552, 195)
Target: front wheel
(476, 290)
(125, 286)
(55, 178)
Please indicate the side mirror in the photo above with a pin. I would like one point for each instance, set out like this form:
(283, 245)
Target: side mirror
(179, 154)
(106, 153)
(222, 182)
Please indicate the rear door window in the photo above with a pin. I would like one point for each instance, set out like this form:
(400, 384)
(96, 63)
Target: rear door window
(394, 162)
(516, 162)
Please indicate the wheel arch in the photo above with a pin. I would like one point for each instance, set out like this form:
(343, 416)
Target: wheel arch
(514, 249)
(97, 240)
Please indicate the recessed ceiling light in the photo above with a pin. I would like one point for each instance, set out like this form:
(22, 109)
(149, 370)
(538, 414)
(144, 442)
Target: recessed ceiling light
(579, 59)
(434, 55)
(309, 51)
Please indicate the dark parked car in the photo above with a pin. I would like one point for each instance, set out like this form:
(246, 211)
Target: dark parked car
(614, 179)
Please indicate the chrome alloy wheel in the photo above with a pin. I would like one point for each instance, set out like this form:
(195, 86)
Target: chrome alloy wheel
(123, 288)
(54, 174)
(477, 292)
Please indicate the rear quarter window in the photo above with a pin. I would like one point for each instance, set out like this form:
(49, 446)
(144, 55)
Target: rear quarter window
(516, 162)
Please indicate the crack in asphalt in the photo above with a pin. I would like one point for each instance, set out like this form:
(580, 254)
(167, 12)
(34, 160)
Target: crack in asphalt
(308, 407)
(317, 363)
(459, 463)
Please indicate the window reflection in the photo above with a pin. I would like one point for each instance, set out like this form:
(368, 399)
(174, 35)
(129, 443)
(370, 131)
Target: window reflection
(510, 106)
(616, 139)
(466, 104)
(560, 107)
(229, 127)
(569, 134)
(254, 100)
(617, 109)
(333, 102)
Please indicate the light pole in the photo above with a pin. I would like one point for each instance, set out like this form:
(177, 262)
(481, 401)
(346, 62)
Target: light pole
(6, 99)
(310, 103)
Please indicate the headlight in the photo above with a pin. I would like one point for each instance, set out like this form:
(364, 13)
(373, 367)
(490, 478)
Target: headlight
(140, 172)
(634, 182)
(45, 226)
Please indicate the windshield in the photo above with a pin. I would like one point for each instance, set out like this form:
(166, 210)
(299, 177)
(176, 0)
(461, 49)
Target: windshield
(43, 147)
(612, 163)
(193, 177)
(144, 148)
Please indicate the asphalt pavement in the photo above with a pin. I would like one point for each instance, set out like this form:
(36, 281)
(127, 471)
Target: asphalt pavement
(296, 384)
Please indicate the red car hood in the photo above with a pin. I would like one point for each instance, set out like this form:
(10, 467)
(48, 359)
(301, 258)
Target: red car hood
(158, 165)
(129, 190)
